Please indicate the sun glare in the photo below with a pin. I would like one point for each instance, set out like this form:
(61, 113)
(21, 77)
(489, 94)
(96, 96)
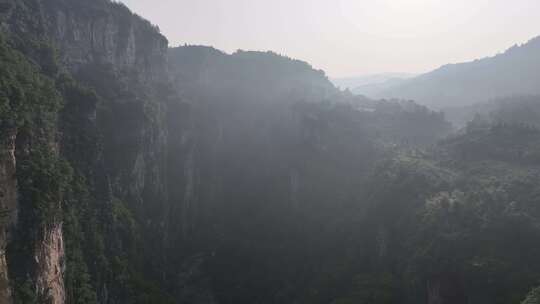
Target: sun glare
(409, 18)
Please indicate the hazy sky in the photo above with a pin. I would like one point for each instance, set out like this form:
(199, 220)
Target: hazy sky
(351, 37)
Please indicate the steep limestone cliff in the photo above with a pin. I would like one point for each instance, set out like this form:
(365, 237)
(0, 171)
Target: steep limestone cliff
(100, 32)
(112, 132)
(49, 256)
(8, 207)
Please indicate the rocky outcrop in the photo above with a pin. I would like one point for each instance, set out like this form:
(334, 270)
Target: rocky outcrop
(105, 32)
(97, 32)
(8, 209)
(49, 259)
(5, 293)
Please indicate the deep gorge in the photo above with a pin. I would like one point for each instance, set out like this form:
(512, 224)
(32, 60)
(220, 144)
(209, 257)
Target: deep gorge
(134, 172)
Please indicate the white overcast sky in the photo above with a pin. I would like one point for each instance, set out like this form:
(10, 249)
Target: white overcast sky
(351, 37)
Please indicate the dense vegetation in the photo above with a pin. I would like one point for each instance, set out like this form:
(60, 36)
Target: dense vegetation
(29, 110)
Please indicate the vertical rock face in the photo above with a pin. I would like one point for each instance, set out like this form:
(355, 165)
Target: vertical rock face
(98, 32)
(5, 291)
(106, 33)
(49, 259)
(123, 59)
(8, 207)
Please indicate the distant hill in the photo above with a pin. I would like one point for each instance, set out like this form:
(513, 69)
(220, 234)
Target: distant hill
(514, 72)
(354, 82)
(372, 84)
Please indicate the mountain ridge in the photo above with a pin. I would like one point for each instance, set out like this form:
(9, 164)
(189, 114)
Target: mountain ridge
(512, 72)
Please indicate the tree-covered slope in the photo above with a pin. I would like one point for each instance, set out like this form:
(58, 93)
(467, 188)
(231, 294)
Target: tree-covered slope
(83, 96)
(455, 225)
(514, 72)
(258, 76)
